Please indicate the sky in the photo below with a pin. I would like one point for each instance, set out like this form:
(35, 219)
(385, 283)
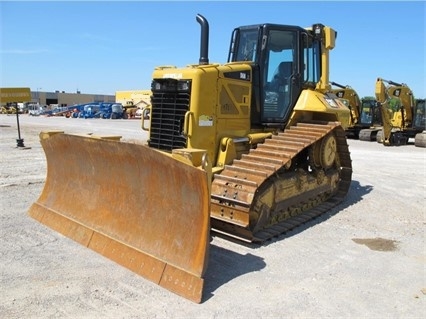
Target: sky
(100, 47)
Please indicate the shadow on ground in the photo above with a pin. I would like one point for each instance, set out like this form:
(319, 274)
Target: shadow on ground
(355, 194)
(225, 265)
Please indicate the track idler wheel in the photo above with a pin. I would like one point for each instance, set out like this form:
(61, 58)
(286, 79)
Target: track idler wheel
(324, 152)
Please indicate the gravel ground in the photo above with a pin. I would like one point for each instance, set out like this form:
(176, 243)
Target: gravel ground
(365, 258)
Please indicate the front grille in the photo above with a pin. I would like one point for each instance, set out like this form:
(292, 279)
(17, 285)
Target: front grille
(167, 118)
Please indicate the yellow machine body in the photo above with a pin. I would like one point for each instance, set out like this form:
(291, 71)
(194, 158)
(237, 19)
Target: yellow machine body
(213, 128)
(399, 112)
(365, 119)
(225, 153)
(354, 103)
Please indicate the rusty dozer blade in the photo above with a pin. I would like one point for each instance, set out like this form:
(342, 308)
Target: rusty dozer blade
(134, 205)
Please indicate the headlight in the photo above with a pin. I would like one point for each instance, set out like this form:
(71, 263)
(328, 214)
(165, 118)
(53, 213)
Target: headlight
(171, 85)
(156, 86)
(183, 85)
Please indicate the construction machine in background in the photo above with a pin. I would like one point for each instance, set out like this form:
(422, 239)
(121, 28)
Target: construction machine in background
(115, 111)
(9, 108)
(371, 120)
(365, 116)
(130, 109)
(420, 122)
(134, 110)
(134, 102)
(250, 149)
(402, 119)
(353, 103)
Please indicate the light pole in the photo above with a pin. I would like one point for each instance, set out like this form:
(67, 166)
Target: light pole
(38, 96)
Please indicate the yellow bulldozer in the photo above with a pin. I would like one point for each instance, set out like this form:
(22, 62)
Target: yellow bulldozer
(403, 119)
(365, 118)
(247, 149)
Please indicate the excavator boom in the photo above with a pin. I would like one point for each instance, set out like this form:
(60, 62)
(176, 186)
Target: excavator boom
(398, 120)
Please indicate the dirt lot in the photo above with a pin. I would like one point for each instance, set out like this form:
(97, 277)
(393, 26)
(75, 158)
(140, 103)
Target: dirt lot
(365, 258)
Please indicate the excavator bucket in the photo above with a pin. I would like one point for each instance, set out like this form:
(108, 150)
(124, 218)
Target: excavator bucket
(134, 205)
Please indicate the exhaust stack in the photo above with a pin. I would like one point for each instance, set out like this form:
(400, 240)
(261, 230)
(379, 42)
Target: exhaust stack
(204, 45)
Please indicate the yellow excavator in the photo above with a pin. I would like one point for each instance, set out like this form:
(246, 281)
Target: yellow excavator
(365, 119)
(404, 119)
(354, 104)
(370, 121)
(248, 149)
(420, 122)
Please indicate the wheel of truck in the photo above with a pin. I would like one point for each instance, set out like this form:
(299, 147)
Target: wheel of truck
(420, 139)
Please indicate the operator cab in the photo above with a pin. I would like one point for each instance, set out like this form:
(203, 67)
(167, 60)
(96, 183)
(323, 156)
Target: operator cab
(419, 114)
(284, 59)
(370, 113)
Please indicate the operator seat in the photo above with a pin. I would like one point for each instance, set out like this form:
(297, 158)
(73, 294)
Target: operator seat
(285, 70)
(283, 73)
(278, 106)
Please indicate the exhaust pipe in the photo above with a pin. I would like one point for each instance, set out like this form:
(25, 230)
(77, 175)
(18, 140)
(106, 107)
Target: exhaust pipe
(204, 45)
(338, 85)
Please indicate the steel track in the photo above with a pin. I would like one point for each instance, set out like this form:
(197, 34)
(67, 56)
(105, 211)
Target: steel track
(235, 188)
